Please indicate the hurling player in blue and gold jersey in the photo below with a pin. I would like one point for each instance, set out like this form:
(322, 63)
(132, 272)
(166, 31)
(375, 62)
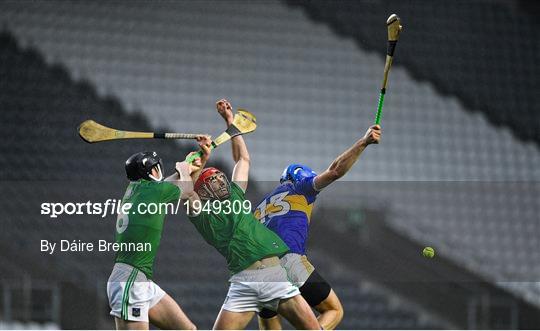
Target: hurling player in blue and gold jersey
(287, 211)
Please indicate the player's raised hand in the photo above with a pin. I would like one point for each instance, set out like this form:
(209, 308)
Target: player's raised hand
(198, 163)
(224, 108)
(205, 144)
(194, 166)
(373, 135)
(183, 169)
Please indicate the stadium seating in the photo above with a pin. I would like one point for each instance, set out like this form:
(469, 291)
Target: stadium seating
(447, 45)
(445, 174)
(52, 164)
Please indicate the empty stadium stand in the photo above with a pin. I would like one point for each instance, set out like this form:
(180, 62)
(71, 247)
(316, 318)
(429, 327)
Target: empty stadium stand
(52, 164)
(457, 168)
(483, 52)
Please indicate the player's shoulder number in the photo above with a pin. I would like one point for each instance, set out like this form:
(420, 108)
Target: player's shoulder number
(122, 221)
(272, 206)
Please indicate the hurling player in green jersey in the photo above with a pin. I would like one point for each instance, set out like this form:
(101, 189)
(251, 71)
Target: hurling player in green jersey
(135, 300)
(217, 209)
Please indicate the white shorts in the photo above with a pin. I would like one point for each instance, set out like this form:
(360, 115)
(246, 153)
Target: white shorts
(252, 290)
(298, 268)
(131, 294)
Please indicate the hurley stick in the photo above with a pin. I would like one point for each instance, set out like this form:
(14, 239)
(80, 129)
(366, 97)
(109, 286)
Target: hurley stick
(93, 132)
(243, 122)
(394, 28)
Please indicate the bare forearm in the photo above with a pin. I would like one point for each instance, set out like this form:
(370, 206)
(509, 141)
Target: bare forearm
(344, 162)
(239, 149)
(195, 175)
(172, 178)
(240, 152)
(181, 179)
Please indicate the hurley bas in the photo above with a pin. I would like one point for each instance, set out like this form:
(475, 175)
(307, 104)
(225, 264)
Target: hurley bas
(101, 246)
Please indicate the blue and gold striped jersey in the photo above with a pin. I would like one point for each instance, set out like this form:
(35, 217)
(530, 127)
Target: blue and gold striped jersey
(287, 212)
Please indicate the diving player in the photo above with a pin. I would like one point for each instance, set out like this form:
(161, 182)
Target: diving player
(251, 250)
(135, 300)
(287, 212)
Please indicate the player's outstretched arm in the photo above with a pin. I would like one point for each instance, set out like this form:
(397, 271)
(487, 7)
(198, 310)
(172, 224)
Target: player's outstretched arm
(343, 163)
(240, 152)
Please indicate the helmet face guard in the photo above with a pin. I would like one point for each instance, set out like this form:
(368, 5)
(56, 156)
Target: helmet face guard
(213, 185)
(296, 172)
(140, 165)
(160, 173)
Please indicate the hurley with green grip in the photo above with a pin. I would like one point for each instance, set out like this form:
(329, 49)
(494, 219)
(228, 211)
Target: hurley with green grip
(243, 122)
(394, 28)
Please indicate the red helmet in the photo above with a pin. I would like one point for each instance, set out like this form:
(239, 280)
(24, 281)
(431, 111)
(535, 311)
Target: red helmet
(212, 184)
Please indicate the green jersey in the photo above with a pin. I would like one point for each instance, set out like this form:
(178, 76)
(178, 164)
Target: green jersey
(143, 224)
(238, 236)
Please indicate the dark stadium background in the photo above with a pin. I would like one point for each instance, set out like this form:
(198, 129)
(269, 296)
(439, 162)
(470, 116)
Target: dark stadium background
(457, 168)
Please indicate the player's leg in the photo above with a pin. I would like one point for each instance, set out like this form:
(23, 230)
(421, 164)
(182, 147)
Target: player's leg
(230, 320)
(130, 325)
(127, 311)
(297, 311)
(331, 311)
(269, 320)
(319, 294)
(167, 314)
(277, 294)
(240, 304)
